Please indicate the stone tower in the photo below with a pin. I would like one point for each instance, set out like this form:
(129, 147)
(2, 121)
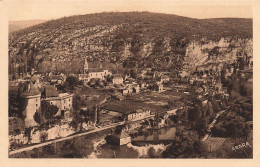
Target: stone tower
(85, 66)
(33, 98)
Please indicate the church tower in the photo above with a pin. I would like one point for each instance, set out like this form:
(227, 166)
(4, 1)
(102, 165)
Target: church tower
(85, 66)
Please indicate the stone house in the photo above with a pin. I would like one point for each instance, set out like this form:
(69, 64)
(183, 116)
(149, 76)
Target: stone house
(118, 137)
(59, 79)
(127, 90)
(117, 79)
(62, 100)
(158, 87)
(136, 88)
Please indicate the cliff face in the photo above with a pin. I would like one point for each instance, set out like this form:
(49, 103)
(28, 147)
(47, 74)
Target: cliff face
(225, 50)
(129, 40)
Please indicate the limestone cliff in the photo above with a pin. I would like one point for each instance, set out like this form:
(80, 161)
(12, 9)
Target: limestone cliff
(131, 39)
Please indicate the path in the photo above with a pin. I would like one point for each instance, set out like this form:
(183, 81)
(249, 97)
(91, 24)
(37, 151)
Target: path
(211, 125)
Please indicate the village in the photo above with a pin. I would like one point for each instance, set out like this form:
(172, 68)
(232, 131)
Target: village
(58, 105)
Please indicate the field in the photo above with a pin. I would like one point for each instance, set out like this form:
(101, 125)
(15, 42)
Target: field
(153, 101)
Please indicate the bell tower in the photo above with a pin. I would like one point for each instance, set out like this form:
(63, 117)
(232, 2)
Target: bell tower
(85, 66)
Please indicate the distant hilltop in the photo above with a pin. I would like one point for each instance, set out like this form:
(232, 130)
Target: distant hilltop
(18, 25)
(122, 40)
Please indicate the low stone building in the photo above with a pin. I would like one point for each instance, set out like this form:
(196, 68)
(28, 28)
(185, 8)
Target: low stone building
(136, 88)
(58, 79)
(137, 114)
(118, 137)
(62, 100)
(117, 79)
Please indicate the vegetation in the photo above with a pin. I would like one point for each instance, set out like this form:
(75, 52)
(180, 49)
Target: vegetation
(17, 103)
(121, 39)
(71, 82)
(185, 145)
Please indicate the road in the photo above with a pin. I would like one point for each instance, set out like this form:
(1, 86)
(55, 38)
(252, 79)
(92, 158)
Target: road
(72, 136)
(211, 125)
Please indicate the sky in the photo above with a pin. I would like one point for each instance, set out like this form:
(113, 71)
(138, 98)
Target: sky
(54, 9)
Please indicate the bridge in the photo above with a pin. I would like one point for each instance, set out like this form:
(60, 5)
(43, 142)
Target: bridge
(146, 142)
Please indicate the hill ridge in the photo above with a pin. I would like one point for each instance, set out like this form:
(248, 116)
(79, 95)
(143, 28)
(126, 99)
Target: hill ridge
(128, 39)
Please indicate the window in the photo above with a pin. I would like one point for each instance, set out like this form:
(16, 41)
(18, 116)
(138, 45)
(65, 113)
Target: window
(64, 107)
(51, 102)
(36, 105)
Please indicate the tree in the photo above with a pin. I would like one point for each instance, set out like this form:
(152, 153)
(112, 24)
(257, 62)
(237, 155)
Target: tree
(195, 113)
(235, 127)
(17, 103)
(13, 103)
(201, 127)
(77, 121)
(23, 102)
(76, 102)
(215, 106)
(170, 104)
(243, 90)
(71, 82)
(133, 73)
(200, 147)
(38, 117)
(183, 144)
(48, 110)
(99, 83)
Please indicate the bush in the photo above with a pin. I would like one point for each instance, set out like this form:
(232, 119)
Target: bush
(43, 136)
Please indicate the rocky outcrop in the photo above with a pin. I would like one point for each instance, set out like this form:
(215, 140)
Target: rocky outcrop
(38, 136)
(129, 39)
(202, 53)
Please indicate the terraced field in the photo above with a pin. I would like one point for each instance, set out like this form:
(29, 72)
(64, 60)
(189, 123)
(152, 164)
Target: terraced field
(214, 143)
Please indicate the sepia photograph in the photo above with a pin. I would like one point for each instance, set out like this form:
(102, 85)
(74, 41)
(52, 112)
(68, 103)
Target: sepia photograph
(129, 80)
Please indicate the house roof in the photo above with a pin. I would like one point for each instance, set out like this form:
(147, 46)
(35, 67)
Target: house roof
(35, 77)
(63, 94)
(124, 134)
(122, 107)
(50, 91)
(83, 75)
(95, 70)
(117, 76)
(128, 107)
(33, 91)
(56, 77)
(121, 134)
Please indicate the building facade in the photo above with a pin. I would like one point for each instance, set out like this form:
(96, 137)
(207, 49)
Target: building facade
(138, 114)
(63, 101)
(33, 98)
(118, 79)
(93, 73)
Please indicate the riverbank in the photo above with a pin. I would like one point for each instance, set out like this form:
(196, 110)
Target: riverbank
(70, 137)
